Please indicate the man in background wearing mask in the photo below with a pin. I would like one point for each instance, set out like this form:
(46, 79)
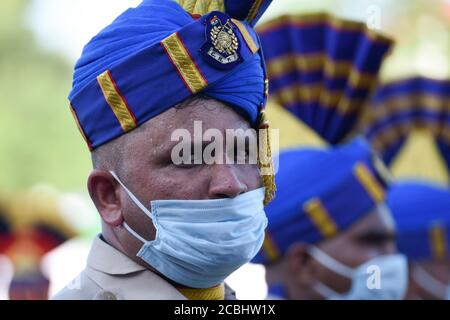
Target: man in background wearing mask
(329, 234)
(170, 231)
(422, 215)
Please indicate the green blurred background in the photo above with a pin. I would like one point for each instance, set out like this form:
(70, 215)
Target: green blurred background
(39, 143)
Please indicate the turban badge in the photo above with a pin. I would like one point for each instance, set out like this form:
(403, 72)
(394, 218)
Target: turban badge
(222, 47)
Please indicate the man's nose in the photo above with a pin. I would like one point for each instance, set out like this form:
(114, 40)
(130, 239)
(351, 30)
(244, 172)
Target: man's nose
(225, 182)
(389, 248)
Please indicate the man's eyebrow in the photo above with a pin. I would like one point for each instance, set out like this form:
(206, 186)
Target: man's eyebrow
(204, 143)
(242, 131)
(192, 144)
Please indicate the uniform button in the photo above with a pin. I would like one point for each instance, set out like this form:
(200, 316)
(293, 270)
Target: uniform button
(105, 295)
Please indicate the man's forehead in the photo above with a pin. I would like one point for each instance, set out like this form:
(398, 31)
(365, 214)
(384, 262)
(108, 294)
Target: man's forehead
(211, 113)
(196, 116)
(375, 220)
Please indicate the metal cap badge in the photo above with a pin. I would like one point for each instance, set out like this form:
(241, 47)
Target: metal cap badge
(222, 46)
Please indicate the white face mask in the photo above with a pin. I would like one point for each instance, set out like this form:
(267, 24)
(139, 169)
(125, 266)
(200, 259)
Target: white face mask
(201, 242)
(381, 278)
(429, 283)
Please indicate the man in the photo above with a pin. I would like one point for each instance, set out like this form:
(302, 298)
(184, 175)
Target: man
(422, 214)
(328, 217)
(330, 235)
(171, 230)
(39, 228)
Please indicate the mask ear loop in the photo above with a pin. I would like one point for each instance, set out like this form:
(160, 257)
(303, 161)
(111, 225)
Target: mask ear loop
(326, 291)
(428, 282)
(138, 203)
(331, 263)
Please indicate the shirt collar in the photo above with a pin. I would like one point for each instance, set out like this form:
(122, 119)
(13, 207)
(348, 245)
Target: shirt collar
(105, 258)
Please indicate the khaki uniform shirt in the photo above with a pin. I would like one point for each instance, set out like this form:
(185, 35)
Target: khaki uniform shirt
(111, 275)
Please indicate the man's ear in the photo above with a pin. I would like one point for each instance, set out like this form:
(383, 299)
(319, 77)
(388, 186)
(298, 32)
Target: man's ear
(300, 265)
(105, 193)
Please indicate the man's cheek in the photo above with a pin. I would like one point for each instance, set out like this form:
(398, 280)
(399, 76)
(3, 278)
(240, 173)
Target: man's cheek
(250, 176)
(182, 187)
(360, 254)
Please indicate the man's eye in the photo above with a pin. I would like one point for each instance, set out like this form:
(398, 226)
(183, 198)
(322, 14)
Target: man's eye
(242, 156)
(375, 239)
(189, 161)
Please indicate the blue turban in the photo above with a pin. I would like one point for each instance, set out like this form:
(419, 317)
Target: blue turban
(320, 193)
(422, 215)
(157, 55)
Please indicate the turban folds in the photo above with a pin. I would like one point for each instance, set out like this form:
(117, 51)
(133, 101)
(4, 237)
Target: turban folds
(322, 69)
(402, 107)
